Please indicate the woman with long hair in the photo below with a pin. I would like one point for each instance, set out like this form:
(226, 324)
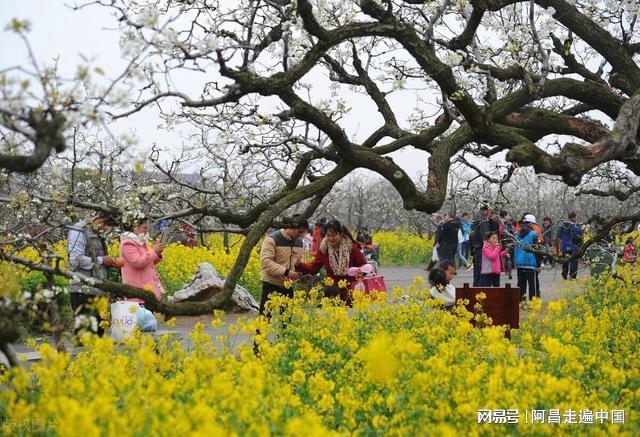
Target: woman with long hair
(337, 252)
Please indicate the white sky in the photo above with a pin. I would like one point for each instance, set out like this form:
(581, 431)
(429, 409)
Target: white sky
(58, 31)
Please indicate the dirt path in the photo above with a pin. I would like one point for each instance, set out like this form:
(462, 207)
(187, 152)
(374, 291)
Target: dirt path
(551, 284)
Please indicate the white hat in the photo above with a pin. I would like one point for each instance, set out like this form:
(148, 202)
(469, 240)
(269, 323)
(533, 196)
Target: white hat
(530, 218)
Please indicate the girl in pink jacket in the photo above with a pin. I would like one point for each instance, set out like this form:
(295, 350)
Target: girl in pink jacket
(140, 261)
(491, 254)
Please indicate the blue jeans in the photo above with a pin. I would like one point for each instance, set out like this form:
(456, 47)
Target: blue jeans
(463, 250)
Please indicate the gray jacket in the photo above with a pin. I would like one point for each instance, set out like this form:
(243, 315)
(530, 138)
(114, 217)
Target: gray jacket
(86, 249)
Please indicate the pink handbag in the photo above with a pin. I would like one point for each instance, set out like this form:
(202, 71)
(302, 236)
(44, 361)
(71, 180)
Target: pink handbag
(374, 283)
(370, 280)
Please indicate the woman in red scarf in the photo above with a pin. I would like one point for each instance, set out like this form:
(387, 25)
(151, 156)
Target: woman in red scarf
(338, 251)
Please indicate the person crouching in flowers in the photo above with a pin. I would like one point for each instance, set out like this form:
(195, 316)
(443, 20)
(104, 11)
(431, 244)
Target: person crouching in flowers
(140, 260)
(440, 288)
(279, 252)
(338, 251)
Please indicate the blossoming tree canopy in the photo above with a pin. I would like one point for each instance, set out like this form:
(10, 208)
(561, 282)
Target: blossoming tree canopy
(273, 90)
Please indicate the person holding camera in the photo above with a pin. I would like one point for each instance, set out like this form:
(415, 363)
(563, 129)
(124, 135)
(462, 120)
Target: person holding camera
(140, 260)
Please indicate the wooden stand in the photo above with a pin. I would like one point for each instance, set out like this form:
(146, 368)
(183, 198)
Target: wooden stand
(502, 304)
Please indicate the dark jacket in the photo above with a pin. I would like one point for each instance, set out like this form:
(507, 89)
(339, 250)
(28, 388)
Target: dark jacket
(570, 235)
(548, 234)
(481, 228)
(505, 233)
(362, 239)
(448, 233)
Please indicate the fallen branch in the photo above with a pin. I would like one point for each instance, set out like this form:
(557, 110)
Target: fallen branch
(122, 290)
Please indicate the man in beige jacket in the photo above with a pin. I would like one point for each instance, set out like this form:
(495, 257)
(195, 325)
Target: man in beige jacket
(275, 258)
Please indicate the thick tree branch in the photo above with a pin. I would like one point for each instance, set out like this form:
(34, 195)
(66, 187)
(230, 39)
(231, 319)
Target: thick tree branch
(48, 136)
(599, 39)
(544, 122)
(618, 194)
(586, 92)
(564, 50)
(116, 289)
(575, 160)
(426, 57)
(376, 95)
(466, 37)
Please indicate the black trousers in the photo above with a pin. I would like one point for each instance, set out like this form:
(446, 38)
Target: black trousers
(548, 258)
(570, 269)
(81, 305)
(477, 266)
(528, 278)
(490, 280)
(268, 289)
(447, 251)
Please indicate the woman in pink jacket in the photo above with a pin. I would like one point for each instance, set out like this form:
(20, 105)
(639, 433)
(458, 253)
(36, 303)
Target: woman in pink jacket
(140, 261)
(491, 267)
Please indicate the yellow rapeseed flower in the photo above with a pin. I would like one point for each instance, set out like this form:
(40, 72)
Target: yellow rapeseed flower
(374, 368)
(379, 359)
